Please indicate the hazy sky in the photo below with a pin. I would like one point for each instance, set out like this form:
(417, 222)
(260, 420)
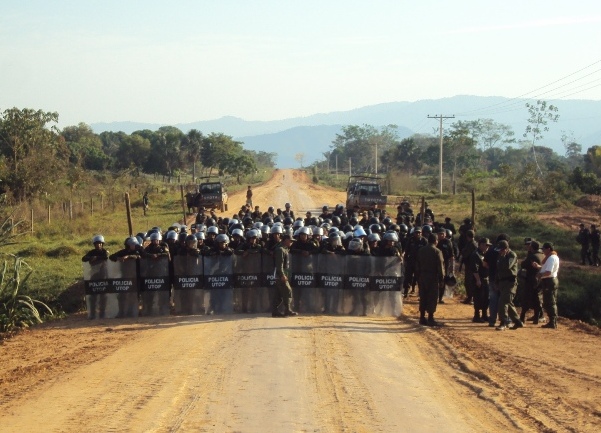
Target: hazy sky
(184, 61)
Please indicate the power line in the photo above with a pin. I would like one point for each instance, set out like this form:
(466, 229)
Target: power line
(509, 101)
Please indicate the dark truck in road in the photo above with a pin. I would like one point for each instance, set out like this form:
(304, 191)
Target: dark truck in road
(211, 195)
(365, 191)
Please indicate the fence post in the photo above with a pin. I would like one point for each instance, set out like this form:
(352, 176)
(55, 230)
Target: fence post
(31, 220)
(48, 214)
(70, 210)
(128, 210)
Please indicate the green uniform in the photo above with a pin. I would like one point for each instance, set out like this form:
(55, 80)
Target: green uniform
(283, 291)
(506, 279)
(430, 276)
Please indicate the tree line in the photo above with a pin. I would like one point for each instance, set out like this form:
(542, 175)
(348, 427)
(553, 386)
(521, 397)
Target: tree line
(35, 156)
(474, 150)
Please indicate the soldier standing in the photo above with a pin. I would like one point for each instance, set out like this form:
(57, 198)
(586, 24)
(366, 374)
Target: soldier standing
(283, 293)
(507, 272)
(584, 239)
(595, 241)
(479, 273)
(532, 294)
(430, 273)
(548, 278)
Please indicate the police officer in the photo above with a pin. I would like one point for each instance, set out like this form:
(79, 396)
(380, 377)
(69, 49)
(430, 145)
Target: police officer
(98, 254)
(507, 272)
(446, 247)
(429, 267)
(584, 239)
(532, 293)
(478, 272)
(466, 252)
(283, 292)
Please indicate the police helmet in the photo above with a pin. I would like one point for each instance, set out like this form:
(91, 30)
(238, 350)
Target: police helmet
(222, 238)
(374, 237)
(427, 230)
(213, 229)
(254, 233)
(305, 230)
(336, 221)
(182, 237)
(277, 229)
(333, 230)
(335, 239)
(191, 239)
(355, 244)
(171, 235)
(317, 231)
(201, 228)
(297, 224)
(359, 232)
(265, 229)
(237, 232)
(403, 228)
(200, 235)
(130, 241)
(375, 228)
(98, 238)
(258, 225)
(155, 236)
(391, 236)
(288, 221)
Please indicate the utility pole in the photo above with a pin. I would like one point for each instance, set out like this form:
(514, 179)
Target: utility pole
(440, 156)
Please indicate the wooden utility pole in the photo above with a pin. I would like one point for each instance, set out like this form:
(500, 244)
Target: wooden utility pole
(474, 208)
(183, 204)
(440, 156)
(128, 210)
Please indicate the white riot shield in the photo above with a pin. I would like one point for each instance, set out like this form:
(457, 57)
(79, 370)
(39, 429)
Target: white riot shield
(266, 292)
(385, 295)
(305, 293)
(155, 286)
(111, 289)
(188, 293)
(357, 283)
(219, 283)
(247, 280)
(331, 269)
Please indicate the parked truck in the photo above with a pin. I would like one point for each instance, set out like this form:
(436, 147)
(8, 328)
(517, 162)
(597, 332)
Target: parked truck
(211, 195)
(365, 191)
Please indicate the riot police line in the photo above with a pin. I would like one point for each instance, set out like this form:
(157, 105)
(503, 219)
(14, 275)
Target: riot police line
(225, 284)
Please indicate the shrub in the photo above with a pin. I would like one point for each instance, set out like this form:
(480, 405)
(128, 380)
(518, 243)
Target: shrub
(17, 310)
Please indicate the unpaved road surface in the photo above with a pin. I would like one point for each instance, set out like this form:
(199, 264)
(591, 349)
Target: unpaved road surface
(252, 373)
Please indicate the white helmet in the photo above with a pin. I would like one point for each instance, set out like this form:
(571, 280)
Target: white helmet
(238, 232)
(222, 238)
(277, 229)
(317, 231)
(98, 238)
(156, 237)
(171, 235)
(213, 229)
(252, 233)
(265, 229)
(305, 230)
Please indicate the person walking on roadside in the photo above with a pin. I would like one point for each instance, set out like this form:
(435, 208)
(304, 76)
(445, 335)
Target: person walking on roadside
(283, 291)
(466, 252)
(548, 278)
(507, 273)
(490, 262)
(249, 196)
(584, 239)
(429, 268)
(595, 241)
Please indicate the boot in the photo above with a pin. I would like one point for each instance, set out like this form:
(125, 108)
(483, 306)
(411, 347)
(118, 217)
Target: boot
(484, 318)
(552, 324)
(476, 318)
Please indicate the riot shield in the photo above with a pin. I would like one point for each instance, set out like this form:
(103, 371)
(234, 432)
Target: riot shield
(385, 295)
(111, 289)
(266, 292)
(219, 283)
(331, 269)
(188, 293)
(247, 279)
(357, 283)
(305, 293)
(155, 286)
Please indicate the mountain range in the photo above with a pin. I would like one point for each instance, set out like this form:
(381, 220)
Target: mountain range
(313, 135)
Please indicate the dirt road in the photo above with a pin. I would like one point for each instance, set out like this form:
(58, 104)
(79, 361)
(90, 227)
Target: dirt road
(252, 373)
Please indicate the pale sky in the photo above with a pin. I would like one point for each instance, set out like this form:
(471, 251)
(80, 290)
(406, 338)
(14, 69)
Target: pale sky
(185, 61)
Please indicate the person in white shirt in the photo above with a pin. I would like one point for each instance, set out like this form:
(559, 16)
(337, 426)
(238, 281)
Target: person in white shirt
(547, 275)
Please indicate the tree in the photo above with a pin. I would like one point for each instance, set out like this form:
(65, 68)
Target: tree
(192, 147)
(405, 156)
(34, 151)
(540, 115)
(299, 157)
